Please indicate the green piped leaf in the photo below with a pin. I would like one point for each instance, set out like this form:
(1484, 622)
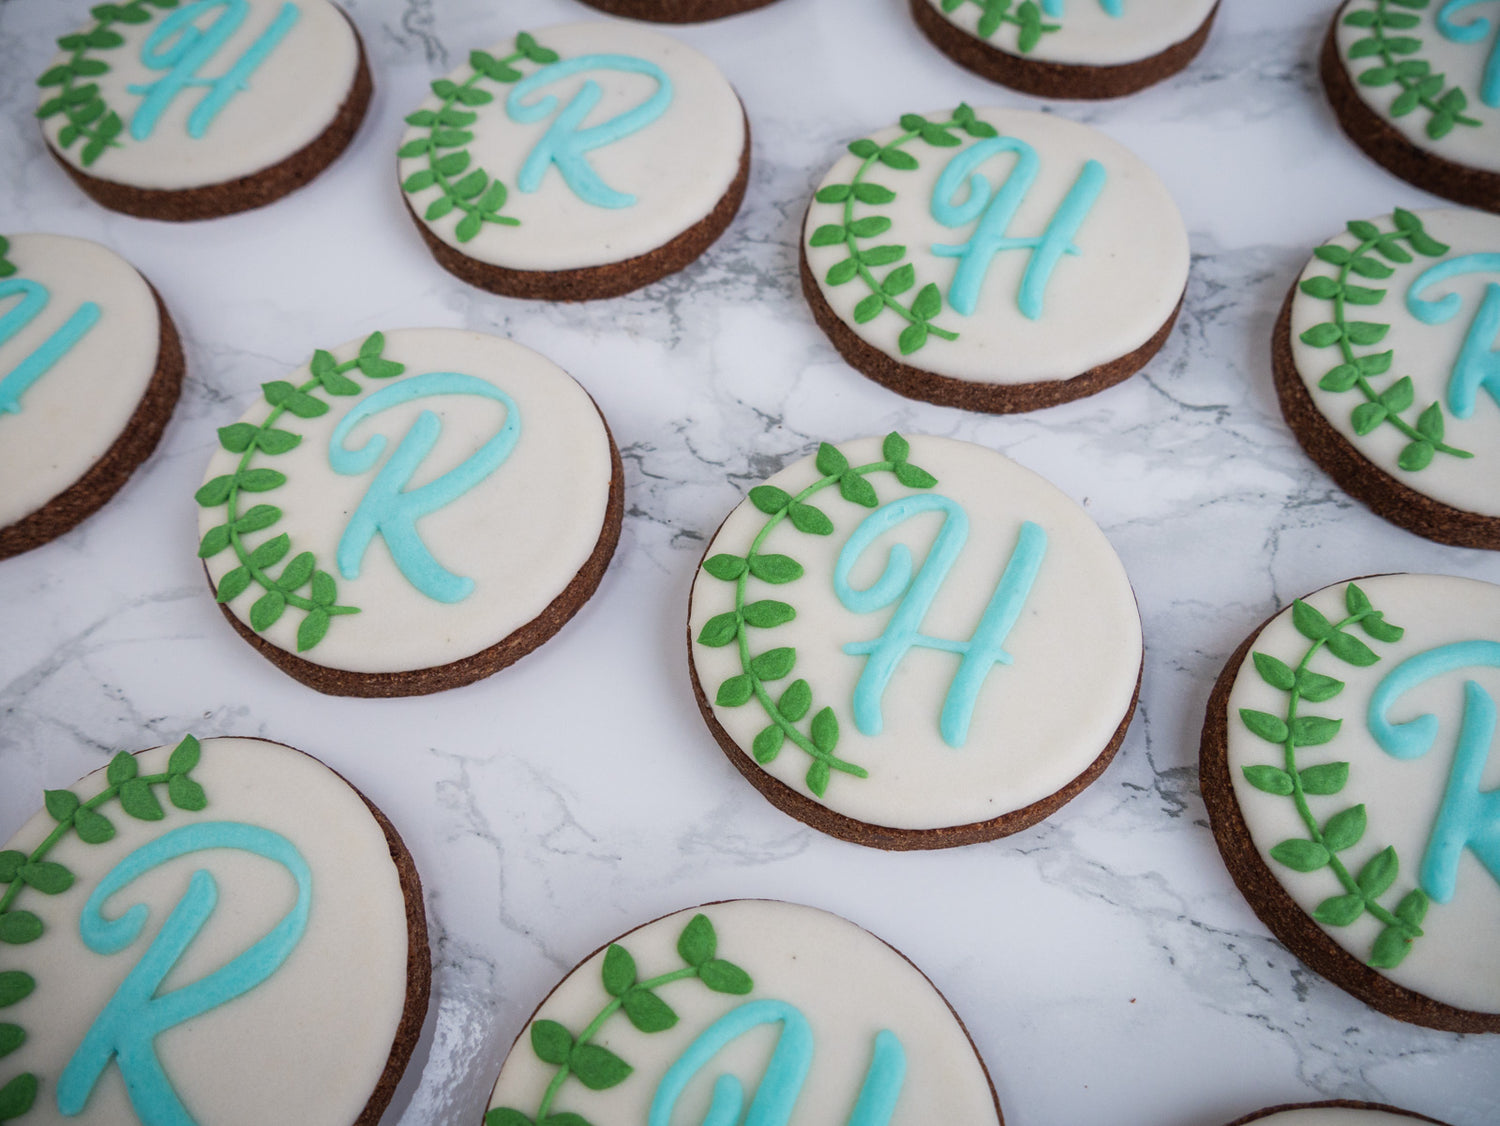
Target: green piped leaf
(61, 804)
(137, 800)
(551, 1041)
(214, 541)
(775, 569)
(1309, 622)
(1269, 779)
(774, 664)
(1315, 687)
(46, 876)
(185, 755)
(795, 701)
(10, 864)
(1391, 947)
(12, 1036)
(1340, 910)
(895, 448)
(1344, 829)
(15, 985)
(767, 612)
(1314, 730)
(1347, 647)
(1380, 629)
(19, 927)
(825, 730)
(735, 691)
(507, 1116)
(720, 630)
(1274, 672)
(267, 610)
(769, 499)
(122, 768)
(647, 1011)
(768, 743)
(92, 826)
(597, 1068)
(830, 461)
(1413, 907)
(186, 794)
(233, 584)
(914, 477)
(697, 943)
(1300, 855)
(1379, 873)
(618, 972)
(725, 977)
(1269, 727)
(17, 1096)
(726, 567)
(818, 775)
(813, 521)
(854, 488)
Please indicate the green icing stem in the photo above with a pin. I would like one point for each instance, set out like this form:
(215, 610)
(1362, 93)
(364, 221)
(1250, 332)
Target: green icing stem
(1411, 79)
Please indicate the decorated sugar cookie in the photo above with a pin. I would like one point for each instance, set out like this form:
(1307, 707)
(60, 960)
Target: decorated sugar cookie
(1386, 370)
(1069, 48)
(1416, 85)
(220, 933)
(584, 161)
(1346, 769)
(190, 109)
(996, 260)
(1338, 1112)
(410, 512)
(90, 368)
(914, 644)
(776, 1012)
(676, 11)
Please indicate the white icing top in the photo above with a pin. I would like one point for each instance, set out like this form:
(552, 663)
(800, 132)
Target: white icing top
(75, 410)
(286, 102)
(520, 534)
(1461, 64)
(308, 1044)
(1424, 352)
(1335, 1116)
(1457, 959)
(1038, 723)
(1089, 35)
(845, 981)
(1099, 305)
(677, 166)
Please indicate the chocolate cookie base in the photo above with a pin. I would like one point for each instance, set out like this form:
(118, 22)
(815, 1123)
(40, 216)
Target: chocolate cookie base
(676, 11)
(945, 391)
(1056, 80)
(108, 475)
(213, 201)
(1356, 474)
(590, 283)
(1341, 1104)
(1293, 926)
(1000, 1118)
(812, 812)
(487, 662)
(1387, 147)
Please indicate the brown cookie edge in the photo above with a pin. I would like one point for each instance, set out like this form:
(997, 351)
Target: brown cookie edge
(477, 666)
(845, 828)
(1056, 80)
(676, 11)
(1290, 924)
(983, 1067)
(1342, 1104)
(1383, 144)
(592, 283)
(945, 391)
(213, 201)
(1357, 475)
(107, 476)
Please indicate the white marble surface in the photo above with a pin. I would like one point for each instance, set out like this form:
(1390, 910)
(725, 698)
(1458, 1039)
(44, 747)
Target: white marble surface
(1105, 964)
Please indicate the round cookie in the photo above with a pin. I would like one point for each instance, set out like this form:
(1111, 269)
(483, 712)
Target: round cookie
(1384, 367)
(1069, 48)
(224, 933)
(789, 1009)
(90, 369)
(1416, 85)
(958, 704)
(676, 11)
(586, 161)
(193, 110)
(1345, 767)
(1336, 1112)
(410, 512)
(994, 285)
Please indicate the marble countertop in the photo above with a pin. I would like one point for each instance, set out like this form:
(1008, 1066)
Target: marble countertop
(1104, 963)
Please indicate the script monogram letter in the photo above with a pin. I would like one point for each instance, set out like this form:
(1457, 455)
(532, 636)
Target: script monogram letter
(1478, 364)
(990, 237)
(1468, 817)
(564, 144)
(388, 507)
(125, 1030)
(34, 298)
(903, 633)
(1473, 32)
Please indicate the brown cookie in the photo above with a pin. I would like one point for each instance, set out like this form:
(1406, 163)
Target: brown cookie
(1084, 50)
(564, 213)
(481, 558)
(1334, 1112)
(1372, 390)
(192, 113)
(676, 11)
(900, 729)
(1328, 814)
(859, 1026)
(317, 972)
(90, 369)
(932, 276)
(1410, 90)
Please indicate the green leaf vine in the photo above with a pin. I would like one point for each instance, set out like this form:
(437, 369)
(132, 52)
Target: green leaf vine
(77, 98)
(478, 195)
(884, 292)
(320, 604)
(1387, 406)
(7, 267)
(1027, 17)
(733, 626)
(1346, 828)
(1395, 66)
(20, 870)
(595, 1066)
